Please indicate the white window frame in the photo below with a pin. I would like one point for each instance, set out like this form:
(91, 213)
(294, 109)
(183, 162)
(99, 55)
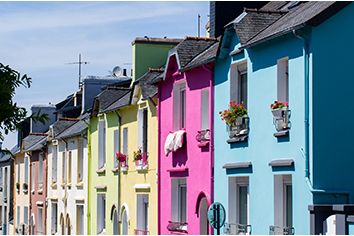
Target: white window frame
(179, 105)
(101, 143)
(283, 79)
(101, 213)
(280, 210)
(54, 163)
(233, 211)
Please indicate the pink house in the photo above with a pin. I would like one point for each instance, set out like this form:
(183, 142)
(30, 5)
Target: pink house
(185, 109)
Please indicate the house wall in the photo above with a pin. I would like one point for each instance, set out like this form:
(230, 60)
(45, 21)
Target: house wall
(6, 200)
(38, 198)
(197, 160)
(262, 147)
(68, 195)
(331, 48)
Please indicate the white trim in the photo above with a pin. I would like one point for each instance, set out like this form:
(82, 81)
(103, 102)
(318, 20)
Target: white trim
(126, 208)
(142, 186)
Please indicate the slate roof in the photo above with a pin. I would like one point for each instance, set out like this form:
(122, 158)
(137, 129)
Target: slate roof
(147, 82)
(148, 40)
(108, 96)
(7, 157)
(76, 129)
(291, 15)
(189, 48)
(121, 102)
(34, 142)
(205, 57)
(61, 125)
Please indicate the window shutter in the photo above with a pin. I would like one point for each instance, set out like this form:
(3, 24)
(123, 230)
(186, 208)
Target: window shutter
(145, 130)
(283, 81)
(26, 169)
(205, 109)
(140, 127)
(116, 145)
(54, 162)
(176, 108)
(101, 143)
(125, 141)
(233, 83)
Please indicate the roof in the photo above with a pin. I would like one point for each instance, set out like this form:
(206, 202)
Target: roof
(61, 125)
(109, 96)
(34, 141)
(7, 157)
(76, 129)
(147, 82)
(147, 40)
(189, 48)
(121, 102)
(291, 16)
(205, 57)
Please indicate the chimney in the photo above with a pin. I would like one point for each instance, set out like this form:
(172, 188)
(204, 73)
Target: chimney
(222, 12)
(124, 72)
(38, 127)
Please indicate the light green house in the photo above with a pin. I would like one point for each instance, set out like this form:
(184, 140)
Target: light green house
(115, 111)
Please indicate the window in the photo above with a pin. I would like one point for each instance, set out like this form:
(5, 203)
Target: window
(54, 226)
(179, 200)
(101, 213)
(40, 172)
(63, 168)
(238, 83)
(283, 80)
(116, 146)
(80, 161)
(0, 215)
(5, 184)
(54, 163)
(205, 109)
(283, 201)
(142, 213)
(239, 200)
(101, 144)
(80, 219)
(26, 169)
(18, 171)
(179, 106)
(33, 172)
(125, 222)
(18, 213)
(1, 182)
(25, 215)
(143, 129)
(125, 141)
(40, 221)
(69, 166)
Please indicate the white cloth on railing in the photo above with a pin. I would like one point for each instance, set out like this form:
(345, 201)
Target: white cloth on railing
(174, 141)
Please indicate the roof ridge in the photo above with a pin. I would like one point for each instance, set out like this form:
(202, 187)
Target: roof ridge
(200, 38)
(156, 69)
(38, 134)
(265, 11)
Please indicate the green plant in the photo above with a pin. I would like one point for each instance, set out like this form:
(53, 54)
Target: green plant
(235, 110)
(17, 186)
(137, 155)
(279, 105)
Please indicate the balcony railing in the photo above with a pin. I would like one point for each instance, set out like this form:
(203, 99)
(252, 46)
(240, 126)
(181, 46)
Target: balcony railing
(142, 163)
(181, 227)
(281, 121)
(239, 229)
(141, 232)
(238, 132)
(203, 137)
(278, 230)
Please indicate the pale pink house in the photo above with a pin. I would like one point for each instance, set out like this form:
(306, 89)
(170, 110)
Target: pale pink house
(185, 174)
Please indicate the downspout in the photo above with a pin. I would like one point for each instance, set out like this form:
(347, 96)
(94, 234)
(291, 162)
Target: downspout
(88, 177)
(119, 185)
(306, 152)
(159, 164)
(66, 180)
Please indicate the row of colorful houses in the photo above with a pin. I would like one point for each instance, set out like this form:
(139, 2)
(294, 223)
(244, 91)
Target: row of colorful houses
(196, 123)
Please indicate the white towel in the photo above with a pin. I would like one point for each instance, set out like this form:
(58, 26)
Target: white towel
(169, 143)
(178, 141)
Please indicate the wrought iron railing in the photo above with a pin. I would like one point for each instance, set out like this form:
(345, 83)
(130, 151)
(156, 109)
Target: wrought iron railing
(240, 229)
(203, 135)
(181, 227)
(141, 232)
(281, 119)
(276, 230)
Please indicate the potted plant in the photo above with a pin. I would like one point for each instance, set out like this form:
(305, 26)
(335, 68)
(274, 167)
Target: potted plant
(18, 186)
(278, 108)
(122, 158)
(25, 187)
(137, 156)
(236, 118)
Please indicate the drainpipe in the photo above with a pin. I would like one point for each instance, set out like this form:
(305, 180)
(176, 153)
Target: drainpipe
(119, 187)
(88, 177)
(158, 164)
(306, 152)
(66, 181)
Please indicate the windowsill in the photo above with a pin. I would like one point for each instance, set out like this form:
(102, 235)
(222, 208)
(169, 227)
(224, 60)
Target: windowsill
(102, 170)
(115, 169)
(40, 191)
(80, 184)
(238, 139)
(281, 133)
(203, 144)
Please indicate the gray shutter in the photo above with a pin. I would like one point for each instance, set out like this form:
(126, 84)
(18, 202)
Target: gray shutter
(282, 78)
(233, 82)
(116, 146)
(176, 108)
(101, 143)
(125, 141)
(205, 109)
(140, 127)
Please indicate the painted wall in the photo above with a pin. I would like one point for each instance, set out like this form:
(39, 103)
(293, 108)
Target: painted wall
(6, 197)
(332, 91)
(262, 147)
(67, 195)
(38, 198)
(196, 160)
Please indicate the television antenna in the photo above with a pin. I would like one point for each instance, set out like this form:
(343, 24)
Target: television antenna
(79, 63)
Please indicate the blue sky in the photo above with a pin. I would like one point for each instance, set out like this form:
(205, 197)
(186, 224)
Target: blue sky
(39, 38)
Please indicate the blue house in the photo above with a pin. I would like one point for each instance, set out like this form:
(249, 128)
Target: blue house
(286, 170)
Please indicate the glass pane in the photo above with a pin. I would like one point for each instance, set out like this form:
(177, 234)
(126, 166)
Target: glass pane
(242, 204)
(243, 85)
(183, 203)
(183, 108)
(289, 206)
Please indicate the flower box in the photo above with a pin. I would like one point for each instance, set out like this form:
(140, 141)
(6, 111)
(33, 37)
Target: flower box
(281, 116)
(239, 127)
(142, 162)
